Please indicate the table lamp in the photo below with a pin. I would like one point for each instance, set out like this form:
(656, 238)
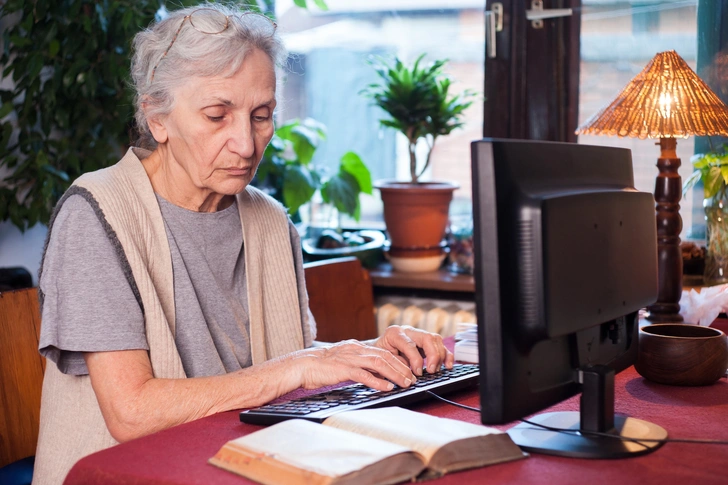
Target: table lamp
(666, 100)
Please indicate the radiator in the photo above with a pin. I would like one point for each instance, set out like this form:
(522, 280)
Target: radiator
(438, 316)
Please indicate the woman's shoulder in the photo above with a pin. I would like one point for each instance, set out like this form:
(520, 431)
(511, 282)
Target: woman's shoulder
(75, 226)
(259, 199)
(128, 169)
(76, 210)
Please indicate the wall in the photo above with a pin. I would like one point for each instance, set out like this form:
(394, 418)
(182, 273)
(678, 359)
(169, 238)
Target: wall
(22, 249)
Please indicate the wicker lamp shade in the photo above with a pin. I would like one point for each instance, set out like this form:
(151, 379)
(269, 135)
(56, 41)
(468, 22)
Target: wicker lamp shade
(666, 100)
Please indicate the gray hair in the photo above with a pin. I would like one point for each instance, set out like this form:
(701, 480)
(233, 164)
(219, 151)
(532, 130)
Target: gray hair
(193, 54)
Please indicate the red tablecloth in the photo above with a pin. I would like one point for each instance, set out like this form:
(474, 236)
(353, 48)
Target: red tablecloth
(179, 455)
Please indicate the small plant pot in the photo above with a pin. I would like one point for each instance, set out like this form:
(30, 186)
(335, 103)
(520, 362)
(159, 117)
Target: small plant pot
(416, 216)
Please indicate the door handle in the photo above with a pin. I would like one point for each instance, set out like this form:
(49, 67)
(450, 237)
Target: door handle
(493, 24)
(536, 14)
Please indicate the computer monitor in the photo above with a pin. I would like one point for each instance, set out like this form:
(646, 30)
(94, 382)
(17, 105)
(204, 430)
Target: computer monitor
(565, 257)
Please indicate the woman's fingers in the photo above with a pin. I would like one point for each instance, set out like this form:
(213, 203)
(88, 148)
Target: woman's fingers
(352, 360)
(435, 350)
(395, 339)
(395, 358)
(412, 343)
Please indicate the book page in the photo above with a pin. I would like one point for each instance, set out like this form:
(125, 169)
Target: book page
(319, 449)
(421, 432)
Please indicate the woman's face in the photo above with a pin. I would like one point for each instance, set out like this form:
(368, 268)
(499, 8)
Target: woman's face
(215, 136)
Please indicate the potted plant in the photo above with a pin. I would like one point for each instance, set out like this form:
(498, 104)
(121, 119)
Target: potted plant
(712, 170)
(287, 173)
(419, 104)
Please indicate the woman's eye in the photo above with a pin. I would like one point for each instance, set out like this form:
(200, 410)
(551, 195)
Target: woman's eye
(260, 118)
(215, 119)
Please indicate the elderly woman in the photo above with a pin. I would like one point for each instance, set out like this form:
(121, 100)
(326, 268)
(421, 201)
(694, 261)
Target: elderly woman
(170, 288)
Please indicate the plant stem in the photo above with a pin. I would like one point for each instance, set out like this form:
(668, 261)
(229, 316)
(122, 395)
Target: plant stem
(413, 160)
(710, 142)
(430, 146)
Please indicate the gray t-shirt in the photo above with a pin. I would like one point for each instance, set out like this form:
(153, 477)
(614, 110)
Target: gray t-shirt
(89, 306)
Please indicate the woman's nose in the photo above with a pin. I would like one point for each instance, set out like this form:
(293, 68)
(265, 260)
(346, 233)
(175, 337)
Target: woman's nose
(241, 140)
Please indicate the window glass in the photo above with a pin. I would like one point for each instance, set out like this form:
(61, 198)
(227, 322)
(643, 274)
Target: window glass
(618, 39)
(328, 69)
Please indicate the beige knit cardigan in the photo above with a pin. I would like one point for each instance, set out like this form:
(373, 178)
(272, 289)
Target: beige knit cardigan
(71, 424)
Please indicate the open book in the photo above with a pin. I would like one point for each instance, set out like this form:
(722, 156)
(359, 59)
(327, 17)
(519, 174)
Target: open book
(378, 446)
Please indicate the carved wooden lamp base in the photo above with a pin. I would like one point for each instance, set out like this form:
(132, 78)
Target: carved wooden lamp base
(668, 190)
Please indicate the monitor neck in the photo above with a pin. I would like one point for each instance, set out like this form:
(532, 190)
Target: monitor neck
(597, 398)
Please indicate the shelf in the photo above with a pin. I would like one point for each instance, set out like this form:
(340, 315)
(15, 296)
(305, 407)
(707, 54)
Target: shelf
(442, 280)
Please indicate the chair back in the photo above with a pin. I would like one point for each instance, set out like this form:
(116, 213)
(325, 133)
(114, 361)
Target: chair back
(21, 374)
(341, 299)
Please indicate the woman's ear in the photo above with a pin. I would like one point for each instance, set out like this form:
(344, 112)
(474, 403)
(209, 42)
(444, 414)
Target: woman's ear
(156, 125)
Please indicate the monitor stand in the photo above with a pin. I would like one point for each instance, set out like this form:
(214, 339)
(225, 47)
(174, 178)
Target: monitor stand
(596, 414)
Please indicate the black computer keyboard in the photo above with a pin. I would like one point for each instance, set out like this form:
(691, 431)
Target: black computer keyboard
(318, 407)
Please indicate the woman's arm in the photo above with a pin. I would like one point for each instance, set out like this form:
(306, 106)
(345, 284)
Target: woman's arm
(134, 403)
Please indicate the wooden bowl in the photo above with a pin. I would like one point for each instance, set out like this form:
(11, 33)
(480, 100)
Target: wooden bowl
(682, 354)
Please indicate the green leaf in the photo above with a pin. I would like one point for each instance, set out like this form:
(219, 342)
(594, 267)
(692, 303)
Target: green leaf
(275, 146)
(724, 173)
(299, 185)
(284, 131)
(712, 181)
(19, 41)
(40, 159)
(7, 131)
(357, 212)
(86, 23)
(300, 3)
(305, 142)
(691, 181)
(342, 190)
(5, 109)
(305, 136)
(35, 64)
(54, 47)
(51, 33)
(127, 18)
(313, 138)
(321, 4)
(352, 164)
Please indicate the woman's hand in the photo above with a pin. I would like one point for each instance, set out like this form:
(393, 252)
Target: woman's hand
(352, 360)
(412, 345)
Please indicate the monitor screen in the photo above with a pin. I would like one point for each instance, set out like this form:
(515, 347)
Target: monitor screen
(565, 257)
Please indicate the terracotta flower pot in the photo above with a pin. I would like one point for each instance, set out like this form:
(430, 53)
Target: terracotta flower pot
(416, 216)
